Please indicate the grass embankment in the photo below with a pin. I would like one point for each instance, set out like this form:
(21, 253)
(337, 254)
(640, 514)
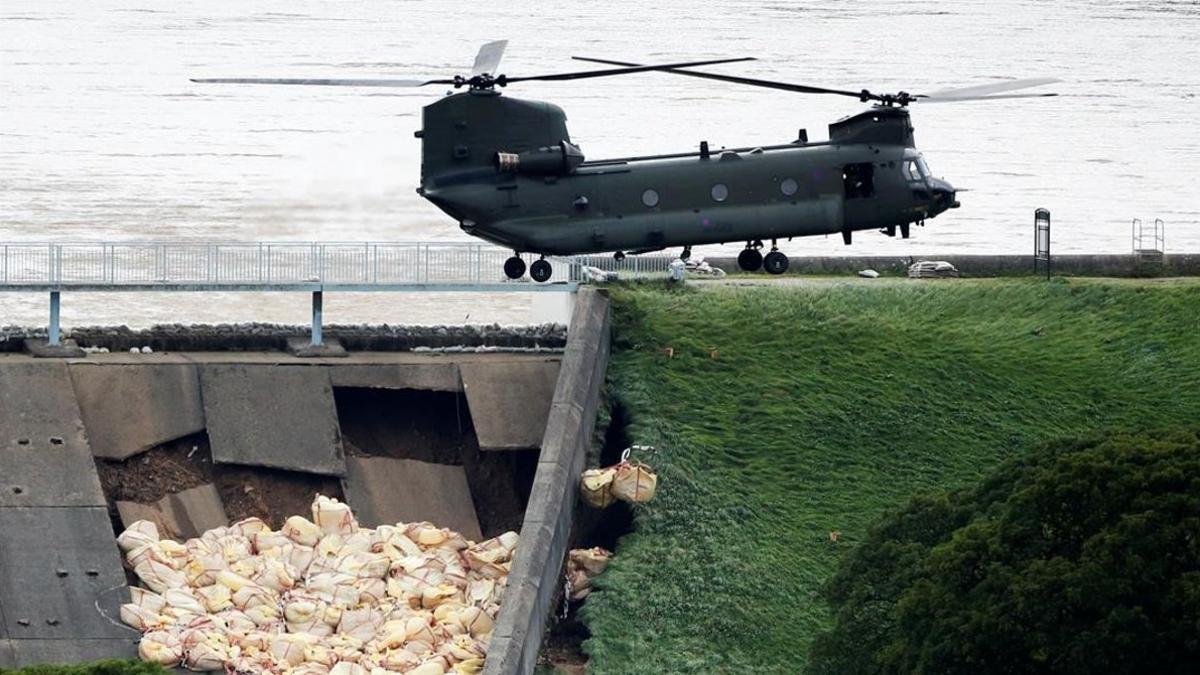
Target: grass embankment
(828, 404)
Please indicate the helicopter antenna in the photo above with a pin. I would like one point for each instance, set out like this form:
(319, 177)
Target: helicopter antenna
(983, 92)
(483, 74)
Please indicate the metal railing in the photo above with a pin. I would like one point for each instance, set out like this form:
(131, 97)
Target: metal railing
(280, 266)
(261, 266)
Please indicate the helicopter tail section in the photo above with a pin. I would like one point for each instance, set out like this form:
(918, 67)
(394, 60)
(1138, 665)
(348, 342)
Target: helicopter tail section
(465, 133)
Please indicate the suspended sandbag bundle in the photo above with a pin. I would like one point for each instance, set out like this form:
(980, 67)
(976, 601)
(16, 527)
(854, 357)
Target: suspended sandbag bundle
(629, 481)
(634, 483)
(596, 487)
(317, 597)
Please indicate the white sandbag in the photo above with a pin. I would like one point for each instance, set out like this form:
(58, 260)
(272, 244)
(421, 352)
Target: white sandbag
(183, 599)
(141, 618)
(333, 516)
(347, 668)
(595, 485)
(146, 599)
(161, 647)
(159, 577)
(302, 531)
(140, 533)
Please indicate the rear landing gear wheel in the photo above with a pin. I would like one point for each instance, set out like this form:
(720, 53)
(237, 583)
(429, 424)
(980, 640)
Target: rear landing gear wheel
(776, 262)
(750, 260)
(540, 270)
(514, 268)
(686, 253)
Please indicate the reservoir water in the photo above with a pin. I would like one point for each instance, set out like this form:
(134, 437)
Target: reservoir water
(102, 136)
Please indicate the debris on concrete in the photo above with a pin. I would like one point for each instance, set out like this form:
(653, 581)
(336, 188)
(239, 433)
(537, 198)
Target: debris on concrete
(403, 598)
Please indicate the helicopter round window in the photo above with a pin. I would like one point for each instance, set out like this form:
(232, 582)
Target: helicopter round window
(788, 186)
(650, 198)
(719, 192)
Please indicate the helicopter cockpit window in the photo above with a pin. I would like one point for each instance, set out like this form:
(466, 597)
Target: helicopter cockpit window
(858, 180)
(916, 169)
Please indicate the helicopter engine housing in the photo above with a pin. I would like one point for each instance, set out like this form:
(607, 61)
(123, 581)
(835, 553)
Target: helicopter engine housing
(560, 160)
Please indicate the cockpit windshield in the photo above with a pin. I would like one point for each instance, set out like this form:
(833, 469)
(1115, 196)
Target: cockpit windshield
(916, 169)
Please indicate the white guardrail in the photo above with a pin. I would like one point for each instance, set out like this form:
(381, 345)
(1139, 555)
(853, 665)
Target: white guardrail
(280, 266)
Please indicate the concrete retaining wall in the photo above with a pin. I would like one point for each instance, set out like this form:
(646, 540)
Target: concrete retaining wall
(537, 571)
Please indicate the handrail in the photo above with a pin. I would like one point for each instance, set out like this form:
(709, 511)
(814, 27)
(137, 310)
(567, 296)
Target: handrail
(308, 265)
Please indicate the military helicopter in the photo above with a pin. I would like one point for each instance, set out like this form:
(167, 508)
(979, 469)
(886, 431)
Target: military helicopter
(507, 171)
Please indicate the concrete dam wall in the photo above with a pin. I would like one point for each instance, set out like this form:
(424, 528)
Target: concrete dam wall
(198, 439)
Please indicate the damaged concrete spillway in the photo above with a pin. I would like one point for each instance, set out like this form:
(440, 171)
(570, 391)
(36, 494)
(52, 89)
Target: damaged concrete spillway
(479, 442)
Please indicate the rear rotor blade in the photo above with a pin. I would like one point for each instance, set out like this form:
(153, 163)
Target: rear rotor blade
(488, 58)
(583, 74)
(771, 84)
(319, 82)
(979, 91)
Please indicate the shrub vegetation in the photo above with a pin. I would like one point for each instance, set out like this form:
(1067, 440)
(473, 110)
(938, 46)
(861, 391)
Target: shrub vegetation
(1083, 557)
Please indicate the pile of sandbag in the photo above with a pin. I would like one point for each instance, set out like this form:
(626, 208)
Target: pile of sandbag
(317, 597)
(629, 481)
(583, 565)
(932, 269)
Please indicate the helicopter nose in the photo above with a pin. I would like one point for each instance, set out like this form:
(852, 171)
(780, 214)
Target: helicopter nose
(943, 196)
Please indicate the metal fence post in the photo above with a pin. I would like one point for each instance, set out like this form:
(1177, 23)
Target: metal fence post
(54, 312)
(317, 301)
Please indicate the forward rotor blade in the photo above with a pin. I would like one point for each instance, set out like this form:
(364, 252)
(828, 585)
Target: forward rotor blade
(583, 74)
(959, 99)
(771, 84)
(488, 58)
(986, 90)
(318, 81)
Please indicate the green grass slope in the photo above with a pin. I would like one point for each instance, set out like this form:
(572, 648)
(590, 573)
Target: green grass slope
(829, 403)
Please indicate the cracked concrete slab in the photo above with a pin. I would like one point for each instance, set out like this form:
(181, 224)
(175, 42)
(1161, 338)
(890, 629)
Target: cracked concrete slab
(272, 415)
(382, 490)
(128, 409)
(181, 515)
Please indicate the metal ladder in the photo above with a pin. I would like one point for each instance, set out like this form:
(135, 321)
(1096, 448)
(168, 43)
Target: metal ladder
(1148, 244)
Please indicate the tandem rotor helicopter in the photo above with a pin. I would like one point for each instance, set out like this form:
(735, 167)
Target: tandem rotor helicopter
(506, 170)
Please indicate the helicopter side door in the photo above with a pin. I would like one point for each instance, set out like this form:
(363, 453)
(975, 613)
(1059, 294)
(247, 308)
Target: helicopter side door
(860, 195)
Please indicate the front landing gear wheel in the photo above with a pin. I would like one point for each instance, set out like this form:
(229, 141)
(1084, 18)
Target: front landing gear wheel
(775, 263)
(514, 268)
(750, 260)
(540, 271)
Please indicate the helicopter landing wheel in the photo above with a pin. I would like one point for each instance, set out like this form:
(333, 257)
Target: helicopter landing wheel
(686, 253)
(514, 268)
(750, 260)
(540, 270)
(776, 262)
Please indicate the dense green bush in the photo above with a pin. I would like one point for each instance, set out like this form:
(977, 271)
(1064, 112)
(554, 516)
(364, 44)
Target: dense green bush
(95, 668)
(1083, 557)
